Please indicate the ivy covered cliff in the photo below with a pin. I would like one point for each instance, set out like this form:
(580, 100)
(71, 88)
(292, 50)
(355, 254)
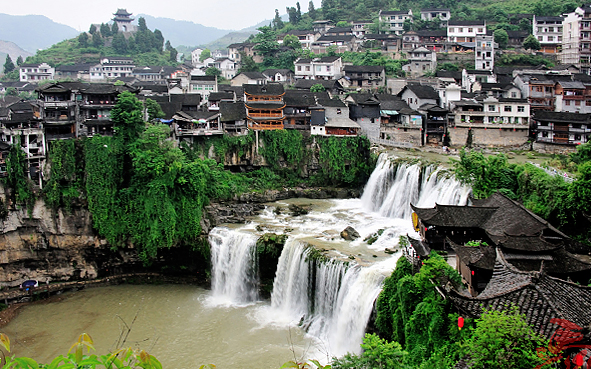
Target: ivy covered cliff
(145, 192)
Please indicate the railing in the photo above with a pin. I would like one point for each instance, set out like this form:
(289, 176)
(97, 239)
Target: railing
(99, 102)
(59, 136)
(58, 104)
(265, 115)
(199, 132)
(541, 94)
(265, 126)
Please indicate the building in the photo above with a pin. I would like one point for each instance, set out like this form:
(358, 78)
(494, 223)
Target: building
(548, 31)
(73, 72)
(394, 20)
(465, 31)
(264, 106)
(306, 38)
(574, 97)
(203, 85)
(484, 56)
(360, 28)
(124, 21)
(196, 57)
(191, 124)
(341, 44)
(421, 61)
(327, 68)
(36, 72)
(233, 117)
(576, 39)
(280, 75)
(364, 109)
(235, 52)
(322, 26)
(111, 68)
(365, 76)
(431, 14)
(498, 224)
(226, 66)
(249, 78)
(562, 128)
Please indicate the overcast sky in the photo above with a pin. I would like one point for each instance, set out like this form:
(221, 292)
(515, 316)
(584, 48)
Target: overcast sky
(226, 14)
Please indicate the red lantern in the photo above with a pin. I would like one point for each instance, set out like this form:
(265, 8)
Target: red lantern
(460, 323)
(472, 272)
(579, 360)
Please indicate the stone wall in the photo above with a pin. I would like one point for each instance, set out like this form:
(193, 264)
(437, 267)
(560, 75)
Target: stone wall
(547, 148)
(497, 137)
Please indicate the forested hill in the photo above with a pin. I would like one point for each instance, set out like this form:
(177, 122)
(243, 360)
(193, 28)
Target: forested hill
(498, 11)
(145, 46)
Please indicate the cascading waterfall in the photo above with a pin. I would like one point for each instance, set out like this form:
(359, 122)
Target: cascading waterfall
(331, 299)
(234, 277)
(392, 188)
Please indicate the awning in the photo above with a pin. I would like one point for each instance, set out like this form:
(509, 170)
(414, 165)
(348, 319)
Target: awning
(388, 112)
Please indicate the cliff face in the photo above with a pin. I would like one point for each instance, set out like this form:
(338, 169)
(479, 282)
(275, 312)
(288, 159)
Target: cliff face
(55, 245)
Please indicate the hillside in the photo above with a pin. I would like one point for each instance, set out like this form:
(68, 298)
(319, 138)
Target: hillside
(180, 32)
(12, 49)
(33, 32)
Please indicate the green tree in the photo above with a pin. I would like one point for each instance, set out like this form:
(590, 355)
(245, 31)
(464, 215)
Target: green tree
(343, 24)
(114, 29)
(154, 110)
(92, 29)
(311, 10)
(213, 71)
(317, 88)
(501, 37)
(158, 40)
(97, 40)
(119, 44)
(377, 354)
(247, 63)
(503, 339)
(83, 39)
(127, 118)
(105, 30)
(277, 21)
(204, 55)
(141, 24)
(292, 14)
(292, 41)
(266, 41)
(531, 43)
(19, 60)
(8, 65)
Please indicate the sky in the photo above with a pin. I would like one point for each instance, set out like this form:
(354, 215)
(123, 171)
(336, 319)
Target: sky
(226, 14)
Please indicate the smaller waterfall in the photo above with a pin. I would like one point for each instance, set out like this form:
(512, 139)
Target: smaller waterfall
(234, 267)
(331, 299)
(392, 188)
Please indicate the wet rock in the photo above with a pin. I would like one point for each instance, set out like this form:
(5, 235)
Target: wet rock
(297, 210)
(350, 234)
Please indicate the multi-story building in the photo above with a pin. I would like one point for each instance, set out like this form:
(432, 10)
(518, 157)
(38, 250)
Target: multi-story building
(112, 68)
(36, 72)
(264, 106)
(203, 85)
(327, 68)
(539, 89)
(306, 38)
(430, 14)
(484, 57)
(576, 39)
(394, 20)
(548, 31)
(365, 76)
(421, 61)
(360, 28)
(195, 56)
(572, 96)
(562, 127)
(465, 31)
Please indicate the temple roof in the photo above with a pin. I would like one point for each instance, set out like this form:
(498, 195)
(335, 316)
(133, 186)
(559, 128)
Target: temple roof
(270, 89)
(455, 216)
(537, 295)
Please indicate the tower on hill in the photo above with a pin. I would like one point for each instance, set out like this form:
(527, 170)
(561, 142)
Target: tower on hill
(123, 20)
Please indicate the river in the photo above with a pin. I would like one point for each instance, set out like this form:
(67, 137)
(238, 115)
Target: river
(317, 309)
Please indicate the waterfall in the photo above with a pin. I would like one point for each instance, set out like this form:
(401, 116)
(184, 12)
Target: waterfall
(392, 188)
(234, 277)
(331, 299)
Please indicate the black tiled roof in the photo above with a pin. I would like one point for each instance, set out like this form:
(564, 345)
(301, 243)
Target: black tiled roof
(253, 75)
(538, 296)
(217, 96)
(327, 84)
(423, 91)
(270, 89)
(364, 68)
(231, 112)
(556, 116)
(299, 98)
(455, 216)
(335, 38)
(332, 103)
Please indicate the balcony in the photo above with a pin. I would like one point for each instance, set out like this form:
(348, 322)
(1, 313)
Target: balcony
(265, 126)
(59, 136)
(266, 115)
(199, 132)
(87, 103)
(541, 94)
(62, 119)
(58, 104)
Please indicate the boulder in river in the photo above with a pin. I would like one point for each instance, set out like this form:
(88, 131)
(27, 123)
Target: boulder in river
(350, 234)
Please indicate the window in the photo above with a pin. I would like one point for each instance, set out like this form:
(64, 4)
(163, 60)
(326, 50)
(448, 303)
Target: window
(307, 68)
(491, 108)
(452, 30)
(508, 108)
(338, 111)
(550, 29)
(540, 38)
(460, 29)
(577, 102)
(318, 68)
(521, 109)
(567, 102)
(514, 94)
(550, 38)
(299, 68)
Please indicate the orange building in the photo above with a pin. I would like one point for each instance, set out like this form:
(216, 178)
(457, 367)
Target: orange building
(264, 106)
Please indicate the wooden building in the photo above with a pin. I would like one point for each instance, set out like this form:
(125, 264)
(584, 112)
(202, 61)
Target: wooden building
(264, 106)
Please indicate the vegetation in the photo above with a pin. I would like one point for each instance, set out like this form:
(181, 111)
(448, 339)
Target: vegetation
(562, 203)
(145, 46)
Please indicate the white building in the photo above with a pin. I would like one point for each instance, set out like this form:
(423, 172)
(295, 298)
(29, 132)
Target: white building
(112, 68)
(421, 61)
(465, 31)
(327, 68)
(576, 39)
(394, 20)
(484, 57)
(36, 72)
(195, 55)
(548, 31)
(442, 14)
